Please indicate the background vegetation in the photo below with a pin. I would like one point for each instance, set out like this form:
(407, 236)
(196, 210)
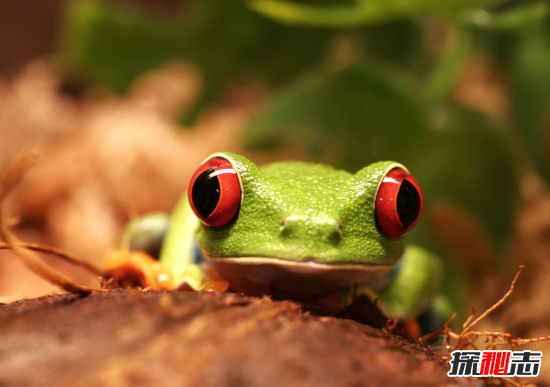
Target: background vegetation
(456, 90)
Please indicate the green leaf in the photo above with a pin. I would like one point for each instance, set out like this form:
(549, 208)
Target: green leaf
(108, 42)
(530, 94)
(400, 43)
(363, 12)
(473, 168)
(517, 17)
(112, 44)
(442, 79)
(361, 110)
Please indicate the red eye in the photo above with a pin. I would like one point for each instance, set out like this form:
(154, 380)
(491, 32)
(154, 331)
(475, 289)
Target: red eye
(215, 192)
(399, 203)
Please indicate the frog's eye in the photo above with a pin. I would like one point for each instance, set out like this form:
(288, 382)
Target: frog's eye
(215, 192)
(399, 203)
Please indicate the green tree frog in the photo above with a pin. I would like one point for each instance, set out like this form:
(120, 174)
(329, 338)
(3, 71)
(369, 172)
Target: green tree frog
(294, 230)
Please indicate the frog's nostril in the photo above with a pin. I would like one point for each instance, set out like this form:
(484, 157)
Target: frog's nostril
(311, 228)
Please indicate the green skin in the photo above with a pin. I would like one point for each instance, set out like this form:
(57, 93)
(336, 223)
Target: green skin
(306, 230)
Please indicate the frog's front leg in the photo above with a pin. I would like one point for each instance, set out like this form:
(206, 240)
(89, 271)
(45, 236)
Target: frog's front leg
(415, 283)
(170, 246)
(136, 261)
(179, 248)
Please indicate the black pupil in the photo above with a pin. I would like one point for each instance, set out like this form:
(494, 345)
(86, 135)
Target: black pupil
(408, 203)
(206, 193)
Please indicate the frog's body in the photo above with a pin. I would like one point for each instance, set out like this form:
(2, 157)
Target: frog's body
(302, 230)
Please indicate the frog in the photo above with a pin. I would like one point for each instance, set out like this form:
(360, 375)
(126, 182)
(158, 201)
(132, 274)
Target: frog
(289, 229)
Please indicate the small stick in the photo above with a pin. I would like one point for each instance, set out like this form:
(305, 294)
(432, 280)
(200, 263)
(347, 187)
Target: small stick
(497, 304)
(11, 176)
(59, 254)
(470, 317)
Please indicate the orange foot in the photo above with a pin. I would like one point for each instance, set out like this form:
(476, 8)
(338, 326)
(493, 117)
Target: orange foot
(136, 268)
(214, 283)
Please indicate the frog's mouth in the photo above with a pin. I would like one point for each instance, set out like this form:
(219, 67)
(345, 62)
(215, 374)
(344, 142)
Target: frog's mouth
(307, 279)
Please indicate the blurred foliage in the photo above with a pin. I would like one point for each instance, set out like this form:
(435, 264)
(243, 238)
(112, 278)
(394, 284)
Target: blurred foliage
(112, 43)
(358, 13)
(369, 79)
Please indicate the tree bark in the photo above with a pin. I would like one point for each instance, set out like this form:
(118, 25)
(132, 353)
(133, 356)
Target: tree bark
(148, 338)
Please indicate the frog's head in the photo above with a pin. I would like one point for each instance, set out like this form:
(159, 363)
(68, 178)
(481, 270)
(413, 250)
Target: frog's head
(303, 218)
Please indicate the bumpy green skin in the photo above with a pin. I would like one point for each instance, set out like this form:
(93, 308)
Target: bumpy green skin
(300, 211)
(295, 211)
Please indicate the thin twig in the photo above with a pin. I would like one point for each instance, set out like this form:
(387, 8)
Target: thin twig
(59, 254)
(10, 178)
(470, 317)
(518, 341)
(498, 303)
(469, 336)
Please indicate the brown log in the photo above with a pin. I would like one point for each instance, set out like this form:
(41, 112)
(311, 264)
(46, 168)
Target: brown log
(135, 338)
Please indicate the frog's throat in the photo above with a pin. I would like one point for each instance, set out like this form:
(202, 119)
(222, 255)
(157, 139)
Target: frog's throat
(296, 279)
